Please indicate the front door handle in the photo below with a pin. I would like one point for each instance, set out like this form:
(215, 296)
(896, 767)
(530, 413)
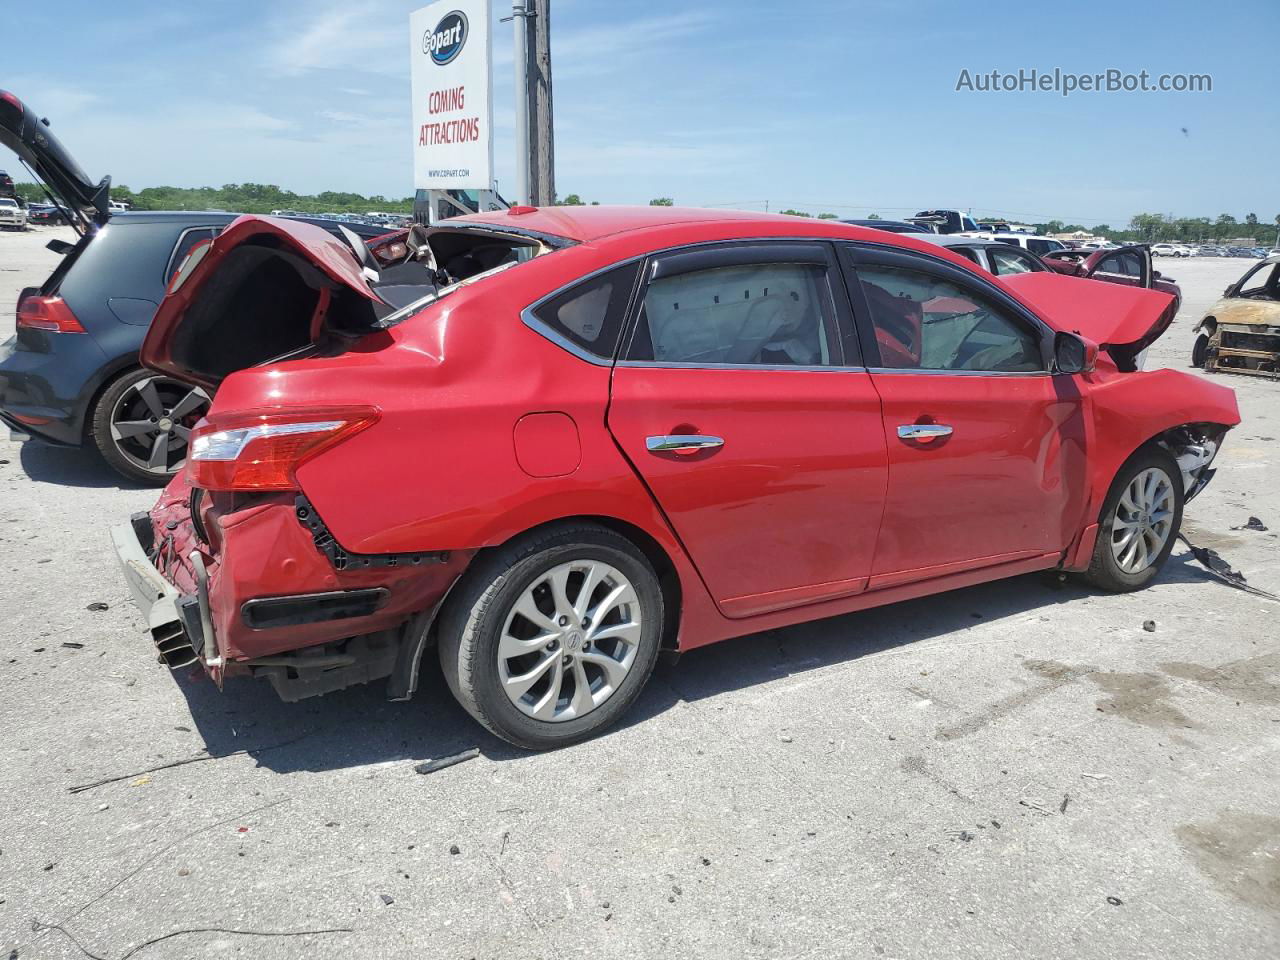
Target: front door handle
(685, 443)
(923, 432)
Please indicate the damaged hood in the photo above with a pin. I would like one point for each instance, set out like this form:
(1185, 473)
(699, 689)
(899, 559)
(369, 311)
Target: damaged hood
(28, 135)
(1122, 320)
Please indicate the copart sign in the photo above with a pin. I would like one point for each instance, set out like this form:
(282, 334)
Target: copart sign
(450, 53)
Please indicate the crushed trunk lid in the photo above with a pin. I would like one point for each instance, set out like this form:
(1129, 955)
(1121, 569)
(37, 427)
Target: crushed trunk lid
(1121, 319)
(28, 135)
(262, 289)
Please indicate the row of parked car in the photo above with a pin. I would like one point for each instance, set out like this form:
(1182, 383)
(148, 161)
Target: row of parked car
(1210, 250)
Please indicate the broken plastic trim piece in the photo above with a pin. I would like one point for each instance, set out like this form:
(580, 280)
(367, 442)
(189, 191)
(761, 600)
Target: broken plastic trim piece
(1223, 571)
(345, 560)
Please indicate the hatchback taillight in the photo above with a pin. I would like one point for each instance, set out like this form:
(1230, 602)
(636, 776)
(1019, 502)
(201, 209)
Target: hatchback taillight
(50, 314)
(262, 451)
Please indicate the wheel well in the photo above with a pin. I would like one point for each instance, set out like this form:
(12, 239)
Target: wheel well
(1178, 442)
(110, 377)
(668, 579)
(1208, 325)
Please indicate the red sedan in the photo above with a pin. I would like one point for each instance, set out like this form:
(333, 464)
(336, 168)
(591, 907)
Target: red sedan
(595, 433)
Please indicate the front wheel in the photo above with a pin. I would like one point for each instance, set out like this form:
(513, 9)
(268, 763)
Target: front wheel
(1200, 351)
(551, 638)
(1139, 522)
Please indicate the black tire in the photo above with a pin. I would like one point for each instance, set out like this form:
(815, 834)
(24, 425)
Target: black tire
(1104, 569)
(478, 609)
(1200, 351)
(117, 454)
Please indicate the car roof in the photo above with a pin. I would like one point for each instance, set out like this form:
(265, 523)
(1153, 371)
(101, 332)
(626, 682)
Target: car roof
(207, 217)
(956, 240)
(587, 223)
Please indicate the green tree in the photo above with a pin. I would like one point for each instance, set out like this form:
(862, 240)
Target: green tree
(1251, 219)
(572, 200)
(827, 216)
(662, 202)
(874, 216)
(795, 213)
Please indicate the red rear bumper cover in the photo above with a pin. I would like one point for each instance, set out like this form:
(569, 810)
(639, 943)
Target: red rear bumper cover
(263, 550)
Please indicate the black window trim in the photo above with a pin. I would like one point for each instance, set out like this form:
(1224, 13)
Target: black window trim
(860, 253)
(842, 344)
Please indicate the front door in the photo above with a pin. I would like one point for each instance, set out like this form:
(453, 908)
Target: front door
(985, 447)
(751, 419)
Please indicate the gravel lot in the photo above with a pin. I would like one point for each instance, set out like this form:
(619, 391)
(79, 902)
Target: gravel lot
(1013, 770)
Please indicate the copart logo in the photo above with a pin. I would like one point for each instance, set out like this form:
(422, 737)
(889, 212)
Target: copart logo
(445, 42)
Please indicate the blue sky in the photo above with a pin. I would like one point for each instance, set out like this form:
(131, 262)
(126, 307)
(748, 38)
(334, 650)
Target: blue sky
(847, 107)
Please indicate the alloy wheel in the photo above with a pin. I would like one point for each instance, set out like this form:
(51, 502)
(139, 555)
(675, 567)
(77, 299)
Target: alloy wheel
(151, 423)
(569, 640)
(1143, 520)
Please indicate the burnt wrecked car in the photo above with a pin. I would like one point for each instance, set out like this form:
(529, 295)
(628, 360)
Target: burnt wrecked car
(1241, 332)
(614, 431)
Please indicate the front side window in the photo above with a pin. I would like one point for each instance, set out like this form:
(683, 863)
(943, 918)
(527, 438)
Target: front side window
(748, 314)
(1041, 247)
(590, 315)
(1261, 283)
(923, 322)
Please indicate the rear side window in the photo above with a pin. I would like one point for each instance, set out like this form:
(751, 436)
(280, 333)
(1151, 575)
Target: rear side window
(774, 314)
(185, 242)
(590, 315)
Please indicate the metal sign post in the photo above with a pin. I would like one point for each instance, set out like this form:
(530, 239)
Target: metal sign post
(451, 56)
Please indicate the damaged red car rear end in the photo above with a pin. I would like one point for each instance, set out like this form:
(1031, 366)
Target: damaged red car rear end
(596, 433)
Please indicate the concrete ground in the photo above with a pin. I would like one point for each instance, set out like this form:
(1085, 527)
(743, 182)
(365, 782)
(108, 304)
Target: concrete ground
(1009, 771)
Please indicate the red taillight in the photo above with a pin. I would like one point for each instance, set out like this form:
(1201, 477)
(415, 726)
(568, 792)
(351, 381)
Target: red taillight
(262, 451)
(50, 314)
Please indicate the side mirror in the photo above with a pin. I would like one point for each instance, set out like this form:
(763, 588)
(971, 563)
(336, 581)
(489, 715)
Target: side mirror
(1073, 353)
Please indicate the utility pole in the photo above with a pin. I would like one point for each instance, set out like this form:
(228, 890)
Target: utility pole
(543, 160)
(535, 145)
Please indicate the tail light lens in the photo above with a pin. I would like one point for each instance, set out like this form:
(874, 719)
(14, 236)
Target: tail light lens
(50, 314)
(262, 451)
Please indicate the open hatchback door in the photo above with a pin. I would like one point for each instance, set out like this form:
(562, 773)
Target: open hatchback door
(1123, 320)
(87, 204)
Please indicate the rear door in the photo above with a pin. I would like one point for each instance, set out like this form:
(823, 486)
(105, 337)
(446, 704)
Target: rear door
(1127, 265)
(741, 400)
(985, 448)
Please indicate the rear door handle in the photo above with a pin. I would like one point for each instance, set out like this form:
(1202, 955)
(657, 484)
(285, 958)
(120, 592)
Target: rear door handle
(923, 432)
(685, 443)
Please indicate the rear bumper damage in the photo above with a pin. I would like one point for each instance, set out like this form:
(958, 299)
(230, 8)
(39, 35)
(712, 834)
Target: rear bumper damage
(249, 590)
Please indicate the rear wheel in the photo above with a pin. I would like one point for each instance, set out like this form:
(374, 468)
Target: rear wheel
(1139, 523)
(142, 423)
(550, 639)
